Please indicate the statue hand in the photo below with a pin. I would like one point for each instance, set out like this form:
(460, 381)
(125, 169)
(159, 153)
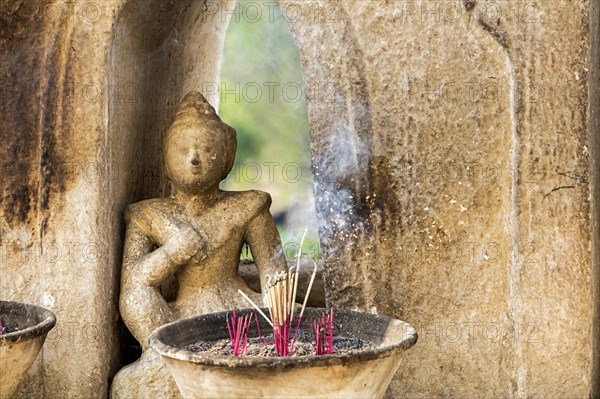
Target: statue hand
(183, 245)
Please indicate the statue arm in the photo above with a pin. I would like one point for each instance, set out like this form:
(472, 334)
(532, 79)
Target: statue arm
(263, 238)
(142, 307)
(141, 304)
(156, 266)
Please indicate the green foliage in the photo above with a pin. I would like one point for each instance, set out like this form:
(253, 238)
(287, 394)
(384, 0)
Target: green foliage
(262, 97)
(272, 125)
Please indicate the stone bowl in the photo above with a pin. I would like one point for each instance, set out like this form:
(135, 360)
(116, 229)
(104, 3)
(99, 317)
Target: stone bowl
(19, 349)
(363, 374)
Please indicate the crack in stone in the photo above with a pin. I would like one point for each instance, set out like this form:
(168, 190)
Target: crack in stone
(556, 189)
(574, 176)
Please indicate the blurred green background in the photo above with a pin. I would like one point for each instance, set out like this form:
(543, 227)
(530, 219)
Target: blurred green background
(262, 96)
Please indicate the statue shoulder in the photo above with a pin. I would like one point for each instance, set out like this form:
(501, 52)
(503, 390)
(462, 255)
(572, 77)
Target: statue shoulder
(148, 209)
(155, 217)
(257, 198)
(260, 198)
(253, 202)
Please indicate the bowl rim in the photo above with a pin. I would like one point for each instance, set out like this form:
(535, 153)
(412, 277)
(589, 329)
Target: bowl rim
(168, 351)
(37, 330)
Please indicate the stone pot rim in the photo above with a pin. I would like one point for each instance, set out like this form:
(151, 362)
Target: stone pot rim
(407, 341)
(48, 320)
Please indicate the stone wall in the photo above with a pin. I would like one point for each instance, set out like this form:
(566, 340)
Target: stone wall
(594, 137)
(455, 148)
(87, 88)
(452, 154)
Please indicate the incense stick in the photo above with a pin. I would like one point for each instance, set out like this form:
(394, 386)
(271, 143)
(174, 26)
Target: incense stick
(297, 270)
(312, 279)
(280, 294)
(255, 307)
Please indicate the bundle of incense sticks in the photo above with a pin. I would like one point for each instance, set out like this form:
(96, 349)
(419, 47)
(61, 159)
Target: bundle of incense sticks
(282, 288)
(281, 292)
(238, 332)
(323, 333)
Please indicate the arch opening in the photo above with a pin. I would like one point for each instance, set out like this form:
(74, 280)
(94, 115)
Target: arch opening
(262, 95)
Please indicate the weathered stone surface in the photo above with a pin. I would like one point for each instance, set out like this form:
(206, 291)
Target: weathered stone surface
(53, 235)
(452, 141)
(82, 83)
(473, 219)
(594, 140)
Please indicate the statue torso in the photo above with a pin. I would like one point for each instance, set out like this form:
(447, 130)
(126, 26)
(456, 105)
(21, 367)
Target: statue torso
(206, 281)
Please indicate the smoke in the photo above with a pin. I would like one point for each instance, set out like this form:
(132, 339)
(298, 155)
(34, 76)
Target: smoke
(338, 172)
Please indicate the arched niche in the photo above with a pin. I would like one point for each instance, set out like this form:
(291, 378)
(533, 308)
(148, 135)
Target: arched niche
(158, 52)
(161, 50)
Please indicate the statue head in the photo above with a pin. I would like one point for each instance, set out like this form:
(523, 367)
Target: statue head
(199, 146)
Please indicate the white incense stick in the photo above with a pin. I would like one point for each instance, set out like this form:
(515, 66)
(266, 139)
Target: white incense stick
(297, 271)
(312, 279)
(255, 307)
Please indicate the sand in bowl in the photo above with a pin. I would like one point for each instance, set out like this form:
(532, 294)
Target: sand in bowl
(304, 346)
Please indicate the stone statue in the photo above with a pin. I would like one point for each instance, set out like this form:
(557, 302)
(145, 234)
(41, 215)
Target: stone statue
(195, 237)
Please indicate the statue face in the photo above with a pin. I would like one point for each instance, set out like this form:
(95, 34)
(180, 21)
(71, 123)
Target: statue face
(193, 160)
